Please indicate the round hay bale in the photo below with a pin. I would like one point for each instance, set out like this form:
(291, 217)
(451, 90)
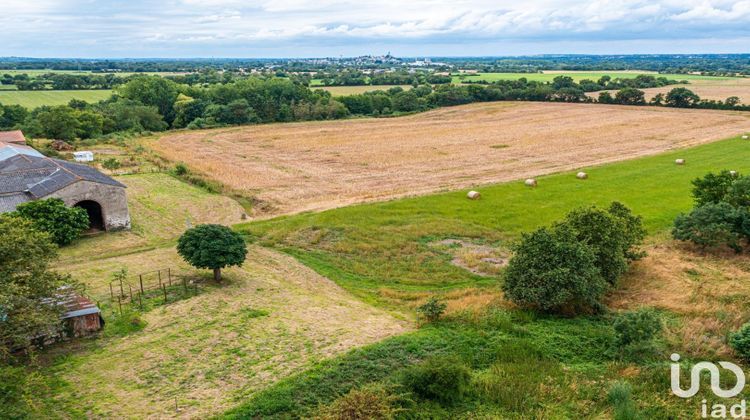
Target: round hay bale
(745, 137)
(582, 175)
(473, 195)
(733, 173)
(679, 161)
(531, 182)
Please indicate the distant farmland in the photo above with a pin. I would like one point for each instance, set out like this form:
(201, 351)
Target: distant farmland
(353, 90)
(34, 98)
(318, 165)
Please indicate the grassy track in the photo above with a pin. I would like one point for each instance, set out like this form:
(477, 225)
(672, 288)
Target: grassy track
(34, 98)
(372, 247)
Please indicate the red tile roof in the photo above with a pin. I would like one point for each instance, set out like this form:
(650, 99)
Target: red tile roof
(15, 137)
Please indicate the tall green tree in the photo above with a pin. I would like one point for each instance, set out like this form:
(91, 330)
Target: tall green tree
(153, 91)
(27, 285)
(682, 98)
(212, 247)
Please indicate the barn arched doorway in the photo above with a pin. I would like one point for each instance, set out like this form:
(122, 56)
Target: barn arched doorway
(94, 210)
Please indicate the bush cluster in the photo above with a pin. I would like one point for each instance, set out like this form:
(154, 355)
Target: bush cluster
(740, 341)
(636, 333)
(721, 216)
(64, 224)
(444, 379)
(567, 268)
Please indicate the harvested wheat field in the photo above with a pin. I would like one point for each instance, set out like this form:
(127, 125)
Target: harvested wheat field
(715, 89)
(709, 88)
(296, 167)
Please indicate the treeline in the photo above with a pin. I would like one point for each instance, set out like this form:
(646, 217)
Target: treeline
(153, 103)
(359, 78)
(706, 64)
(63, 81)
(642, 81)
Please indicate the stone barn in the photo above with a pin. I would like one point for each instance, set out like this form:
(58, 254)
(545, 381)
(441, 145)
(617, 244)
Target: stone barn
(27, 175)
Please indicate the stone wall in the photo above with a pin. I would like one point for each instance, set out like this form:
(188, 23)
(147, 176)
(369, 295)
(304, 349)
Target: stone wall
(112, 199)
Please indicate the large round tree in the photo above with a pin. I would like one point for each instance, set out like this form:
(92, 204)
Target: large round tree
(213, 247)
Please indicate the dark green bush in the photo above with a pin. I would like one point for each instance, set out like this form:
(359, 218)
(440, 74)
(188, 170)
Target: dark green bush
(64, 224)
(444, 379)
(738, 194)
(432, 310)
(740, 341)
(709, 226)
(553, 271)
(181, 169)
(111, 164)
(613, 235)
(637, 326)
(712, 188)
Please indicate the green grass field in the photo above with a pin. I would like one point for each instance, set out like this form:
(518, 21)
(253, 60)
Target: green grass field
(576, 75)
(34, 98)
(367, 248)
(522, 365)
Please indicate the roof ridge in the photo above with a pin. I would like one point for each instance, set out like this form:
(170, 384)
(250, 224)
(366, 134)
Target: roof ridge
(57, 163)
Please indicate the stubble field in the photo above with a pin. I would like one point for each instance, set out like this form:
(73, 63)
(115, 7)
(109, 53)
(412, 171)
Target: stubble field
(297, 167)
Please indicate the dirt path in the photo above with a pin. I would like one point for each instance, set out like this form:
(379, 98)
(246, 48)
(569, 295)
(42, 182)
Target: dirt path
(319, 165)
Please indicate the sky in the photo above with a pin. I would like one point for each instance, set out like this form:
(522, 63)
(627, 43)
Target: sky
(332, 28)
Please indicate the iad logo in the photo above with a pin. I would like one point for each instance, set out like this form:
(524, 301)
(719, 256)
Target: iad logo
(695, 379)
(717, 410)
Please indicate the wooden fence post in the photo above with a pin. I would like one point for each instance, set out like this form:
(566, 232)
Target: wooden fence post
(140, 278)
(164, 288)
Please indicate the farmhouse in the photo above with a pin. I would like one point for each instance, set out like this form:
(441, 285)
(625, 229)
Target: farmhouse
(27, 175)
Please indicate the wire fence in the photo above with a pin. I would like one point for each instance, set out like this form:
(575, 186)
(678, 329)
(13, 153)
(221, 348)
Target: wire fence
(162, 285)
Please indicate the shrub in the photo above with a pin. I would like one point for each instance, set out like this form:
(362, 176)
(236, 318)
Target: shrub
(432, 310)
(635, 333)
(613, 235)
(64, 224)
(444, 379)
(738, 194)
(637, 326)
(367, 403)
(712, 188)
(111, 164)
(709, 226)
(740, 341)
(553, 271)
(181, 169)
(620, 396)
(633, 232)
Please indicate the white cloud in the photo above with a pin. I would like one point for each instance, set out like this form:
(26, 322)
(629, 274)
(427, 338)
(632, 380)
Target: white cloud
(142, 25)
